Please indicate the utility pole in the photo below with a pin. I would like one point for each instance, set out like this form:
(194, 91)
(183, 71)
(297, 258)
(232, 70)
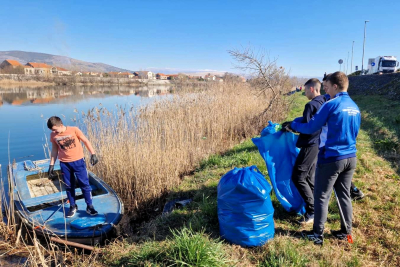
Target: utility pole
(347, 67)
(362, 65)
(352, 51)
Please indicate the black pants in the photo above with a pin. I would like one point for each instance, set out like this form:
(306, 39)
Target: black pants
(303, 175)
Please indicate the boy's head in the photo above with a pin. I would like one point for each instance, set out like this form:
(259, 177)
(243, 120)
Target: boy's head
(336, 82)
(312, 88)
(55, 124)
(326, 89)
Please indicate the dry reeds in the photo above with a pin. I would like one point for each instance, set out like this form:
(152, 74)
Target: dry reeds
(144, 152)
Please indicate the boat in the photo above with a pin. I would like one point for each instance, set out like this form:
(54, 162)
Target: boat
(40, 203)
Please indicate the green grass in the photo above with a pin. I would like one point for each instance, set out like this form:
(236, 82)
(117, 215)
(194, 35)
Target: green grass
(190, 236)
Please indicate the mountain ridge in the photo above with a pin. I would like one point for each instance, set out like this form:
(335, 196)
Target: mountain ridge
(59, 61)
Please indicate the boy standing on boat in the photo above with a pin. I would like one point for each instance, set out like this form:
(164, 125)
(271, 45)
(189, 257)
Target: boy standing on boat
(66, 145)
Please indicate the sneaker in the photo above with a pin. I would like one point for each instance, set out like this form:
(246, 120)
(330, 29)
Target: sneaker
(318, 240)
(339, 234)
(308, 218)
(356, 194)
(72, 211)
(91, 211)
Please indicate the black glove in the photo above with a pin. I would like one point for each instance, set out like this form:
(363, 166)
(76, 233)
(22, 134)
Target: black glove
(93, 159)
(286, 127)
(50, 172)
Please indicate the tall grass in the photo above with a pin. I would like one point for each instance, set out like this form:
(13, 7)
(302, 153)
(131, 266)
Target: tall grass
(145, 152)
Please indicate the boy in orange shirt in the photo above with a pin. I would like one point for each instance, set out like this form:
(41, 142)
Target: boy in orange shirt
(66, 144)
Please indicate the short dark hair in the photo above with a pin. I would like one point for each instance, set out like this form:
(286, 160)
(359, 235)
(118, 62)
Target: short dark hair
(340, 79)
(54, 121)
(315, 83)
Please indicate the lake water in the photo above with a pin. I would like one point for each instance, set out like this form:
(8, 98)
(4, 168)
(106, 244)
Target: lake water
(24, 113)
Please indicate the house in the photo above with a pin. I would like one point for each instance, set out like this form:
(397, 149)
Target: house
(161, 76)
(9, 66)
(78, 73)
(61, 71)
(173, 76)
(126, 75)
(113, 74)
(210, 77)
(28, 70)
(40, 68)
(146, 75)
(8, 63)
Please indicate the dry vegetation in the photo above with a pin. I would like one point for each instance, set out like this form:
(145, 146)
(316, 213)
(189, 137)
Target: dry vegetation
(145, 153)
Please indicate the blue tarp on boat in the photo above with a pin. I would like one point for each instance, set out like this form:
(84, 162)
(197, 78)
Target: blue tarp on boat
(279, 152)
(245, 210)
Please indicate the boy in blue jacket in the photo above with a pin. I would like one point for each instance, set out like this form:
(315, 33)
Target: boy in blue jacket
(337, 159)
(355, 193)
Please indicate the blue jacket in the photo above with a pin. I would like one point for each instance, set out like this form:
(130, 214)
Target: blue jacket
(308, 140)
(343, 118)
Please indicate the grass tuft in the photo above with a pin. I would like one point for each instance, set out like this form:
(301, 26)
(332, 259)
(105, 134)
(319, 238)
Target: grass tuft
(189, 248)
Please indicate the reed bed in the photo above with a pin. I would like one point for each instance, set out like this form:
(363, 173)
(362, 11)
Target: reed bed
(144, 152)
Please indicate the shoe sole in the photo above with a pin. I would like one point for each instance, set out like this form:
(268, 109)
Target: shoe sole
(91, 213)
(358, 198)
(71, 215)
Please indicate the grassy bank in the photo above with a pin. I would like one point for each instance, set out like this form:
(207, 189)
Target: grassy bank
(190, 236)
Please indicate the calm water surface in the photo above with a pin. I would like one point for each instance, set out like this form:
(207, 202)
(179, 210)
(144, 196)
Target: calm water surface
(24, 113)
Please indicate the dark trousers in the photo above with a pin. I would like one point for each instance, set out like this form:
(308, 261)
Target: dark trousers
(303, 175)
(335, 175)
(70, 171)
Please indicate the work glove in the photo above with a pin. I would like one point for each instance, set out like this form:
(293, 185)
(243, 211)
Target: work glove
(93, 159)
(50, 173)
(286, 127)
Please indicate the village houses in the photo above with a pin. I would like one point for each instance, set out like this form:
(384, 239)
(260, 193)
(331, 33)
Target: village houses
(33, 68)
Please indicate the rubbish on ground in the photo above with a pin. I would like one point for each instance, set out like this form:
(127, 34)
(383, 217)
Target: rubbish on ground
(245, 210)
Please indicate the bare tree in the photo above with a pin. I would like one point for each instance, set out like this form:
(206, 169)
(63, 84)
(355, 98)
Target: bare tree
(265, 75)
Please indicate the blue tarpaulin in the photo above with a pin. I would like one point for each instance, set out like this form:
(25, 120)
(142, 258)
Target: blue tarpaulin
(279, 152)
(245, 210)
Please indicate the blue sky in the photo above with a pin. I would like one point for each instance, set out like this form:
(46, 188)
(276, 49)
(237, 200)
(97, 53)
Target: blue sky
(307, 37)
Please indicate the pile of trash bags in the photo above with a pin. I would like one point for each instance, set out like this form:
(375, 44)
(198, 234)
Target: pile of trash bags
(245, 210)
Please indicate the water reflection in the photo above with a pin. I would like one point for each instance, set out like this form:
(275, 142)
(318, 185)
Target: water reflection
(24, 113)
(49, 95)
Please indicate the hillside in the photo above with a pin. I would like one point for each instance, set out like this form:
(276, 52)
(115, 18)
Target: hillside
(59, 61)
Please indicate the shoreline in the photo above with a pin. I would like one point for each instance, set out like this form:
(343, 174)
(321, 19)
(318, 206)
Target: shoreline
(12, 80)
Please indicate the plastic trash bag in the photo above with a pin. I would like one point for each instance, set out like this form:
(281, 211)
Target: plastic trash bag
(279, 152)
(245, 210)
(271, 128)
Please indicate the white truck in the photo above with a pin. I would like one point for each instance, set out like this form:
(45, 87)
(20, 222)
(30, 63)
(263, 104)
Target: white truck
(382, 64)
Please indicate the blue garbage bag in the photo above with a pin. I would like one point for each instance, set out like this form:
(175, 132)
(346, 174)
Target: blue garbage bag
(271, 128)
(279, 152)
(245, 210)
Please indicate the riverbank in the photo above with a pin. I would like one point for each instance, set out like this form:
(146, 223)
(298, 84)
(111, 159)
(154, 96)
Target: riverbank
(9, 83)
(27, 80)
(146, 150)
(175, 237)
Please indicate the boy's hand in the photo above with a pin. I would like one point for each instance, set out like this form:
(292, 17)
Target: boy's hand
(50, 172)
(286, 127)
(93, 159)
